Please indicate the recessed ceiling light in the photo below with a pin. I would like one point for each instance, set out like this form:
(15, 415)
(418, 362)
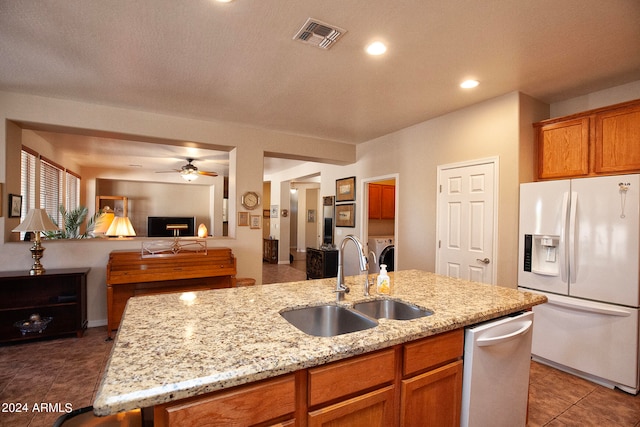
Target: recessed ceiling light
(376, 48)
(224, 1)
(469, 84)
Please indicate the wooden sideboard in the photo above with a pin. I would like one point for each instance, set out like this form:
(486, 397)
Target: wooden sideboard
(59, 294)
(130, 274)
(321, 263)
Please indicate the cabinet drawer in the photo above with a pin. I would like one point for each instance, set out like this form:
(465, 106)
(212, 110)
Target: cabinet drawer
(433, 351)
(350, 376)
(271, 400)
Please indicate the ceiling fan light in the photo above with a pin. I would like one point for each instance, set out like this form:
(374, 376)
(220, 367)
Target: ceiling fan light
(189, 176)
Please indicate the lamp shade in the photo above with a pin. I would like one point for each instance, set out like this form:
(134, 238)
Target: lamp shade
(121, 227)
(36, 220)
(103, 222)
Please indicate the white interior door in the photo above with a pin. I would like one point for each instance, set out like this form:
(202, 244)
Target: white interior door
(466, 220)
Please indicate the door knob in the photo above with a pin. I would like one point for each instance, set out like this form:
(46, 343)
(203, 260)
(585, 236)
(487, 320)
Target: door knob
(484, 261)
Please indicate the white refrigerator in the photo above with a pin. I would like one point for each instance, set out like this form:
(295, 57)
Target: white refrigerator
(580, 246)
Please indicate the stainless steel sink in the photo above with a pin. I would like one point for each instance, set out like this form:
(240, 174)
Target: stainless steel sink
(390, 309)
(328, 320)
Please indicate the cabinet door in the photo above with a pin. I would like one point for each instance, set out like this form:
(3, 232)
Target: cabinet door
(270, 402)
(388, 205)
(433, 398)
(617, 141)
(375, 201)
(563, 149)
(373, 409)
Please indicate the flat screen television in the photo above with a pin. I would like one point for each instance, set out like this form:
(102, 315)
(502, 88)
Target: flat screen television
(157, 226)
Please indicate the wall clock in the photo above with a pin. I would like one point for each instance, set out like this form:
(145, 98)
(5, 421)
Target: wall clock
(250, 200)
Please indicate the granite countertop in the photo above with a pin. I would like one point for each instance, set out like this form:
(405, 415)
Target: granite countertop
(170, 347)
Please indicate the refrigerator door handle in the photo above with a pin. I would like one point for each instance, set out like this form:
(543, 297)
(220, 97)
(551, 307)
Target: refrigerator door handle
(573, 208)
(562, 249)
(485, 342)
(620, 312)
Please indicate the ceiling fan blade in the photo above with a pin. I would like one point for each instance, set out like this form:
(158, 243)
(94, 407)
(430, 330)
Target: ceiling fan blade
(207, 173)
(171, 171)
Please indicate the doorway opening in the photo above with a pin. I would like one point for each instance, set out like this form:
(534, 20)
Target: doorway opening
(380, 230)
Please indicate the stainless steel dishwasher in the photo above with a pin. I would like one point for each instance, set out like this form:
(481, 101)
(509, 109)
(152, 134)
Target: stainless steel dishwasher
(495, 384)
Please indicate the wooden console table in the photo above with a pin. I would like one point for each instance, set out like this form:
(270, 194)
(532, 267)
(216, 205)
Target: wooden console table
(60, 294)
(130, 274)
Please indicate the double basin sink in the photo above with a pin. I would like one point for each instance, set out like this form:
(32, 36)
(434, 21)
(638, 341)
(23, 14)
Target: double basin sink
(329, 320)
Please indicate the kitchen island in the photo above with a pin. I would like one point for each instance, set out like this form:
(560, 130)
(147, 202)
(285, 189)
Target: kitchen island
(172, 347)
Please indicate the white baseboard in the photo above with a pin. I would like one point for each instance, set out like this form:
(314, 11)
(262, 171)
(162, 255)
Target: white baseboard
(96, 323)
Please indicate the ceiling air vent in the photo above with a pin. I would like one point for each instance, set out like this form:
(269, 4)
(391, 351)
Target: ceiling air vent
(319, 34)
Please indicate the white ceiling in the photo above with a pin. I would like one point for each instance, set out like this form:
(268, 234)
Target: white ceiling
(237, 62)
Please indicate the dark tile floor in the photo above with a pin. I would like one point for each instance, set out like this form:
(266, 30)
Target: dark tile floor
(67, 371)
(40, 380)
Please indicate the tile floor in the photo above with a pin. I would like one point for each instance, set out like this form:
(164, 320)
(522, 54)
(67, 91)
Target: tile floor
(60, 372)
(68, 371)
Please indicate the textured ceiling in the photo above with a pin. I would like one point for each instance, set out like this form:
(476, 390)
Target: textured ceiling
(237, 62)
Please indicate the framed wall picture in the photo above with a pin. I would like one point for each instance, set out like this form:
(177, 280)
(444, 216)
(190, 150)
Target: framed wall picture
(346, 189)
(311, 215)
(274, 211)
(346, 215)
(243, 219)
(15, 205)
(254, 221)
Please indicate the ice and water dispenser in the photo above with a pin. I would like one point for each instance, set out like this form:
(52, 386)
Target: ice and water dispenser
(541, 254)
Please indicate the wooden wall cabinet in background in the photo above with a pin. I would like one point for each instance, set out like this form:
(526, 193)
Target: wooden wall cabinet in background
(597, 142)
(382, 201)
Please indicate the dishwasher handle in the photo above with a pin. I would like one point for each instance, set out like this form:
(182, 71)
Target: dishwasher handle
(485, 342)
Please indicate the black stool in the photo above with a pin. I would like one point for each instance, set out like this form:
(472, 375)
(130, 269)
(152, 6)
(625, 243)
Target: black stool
(84, 417)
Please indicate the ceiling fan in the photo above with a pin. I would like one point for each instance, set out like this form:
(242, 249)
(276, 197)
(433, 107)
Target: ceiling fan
(190, 172)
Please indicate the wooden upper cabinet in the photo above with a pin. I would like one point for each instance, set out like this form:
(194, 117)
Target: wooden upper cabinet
(388, 208)
(382, 201)
(563, 149)
(605, 141)
(617, 140)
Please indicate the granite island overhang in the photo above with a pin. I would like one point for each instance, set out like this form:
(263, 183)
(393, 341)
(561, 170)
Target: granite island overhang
(174, 346)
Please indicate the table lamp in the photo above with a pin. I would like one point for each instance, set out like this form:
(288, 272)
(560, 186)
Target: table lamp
(36, 222)
(121, 227)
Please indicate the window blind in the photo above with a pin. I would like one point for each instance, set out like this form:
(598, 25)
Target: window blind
(27, 182)
(51, 189)
(72, 193)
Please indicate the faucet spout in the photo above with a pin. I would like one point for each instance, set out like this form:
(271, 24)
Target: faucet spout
(341, 288)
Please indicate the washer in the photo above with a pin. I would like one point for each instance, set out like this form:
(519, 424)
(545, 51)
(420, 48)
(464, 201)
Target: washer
(378, 244)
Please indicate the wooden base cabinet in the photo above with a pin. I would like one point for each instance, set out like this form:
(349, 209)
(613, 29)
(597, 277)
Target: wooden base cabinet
(413, 384)
(270, 402)
(433, 398)
(375, 409)
(431, 388)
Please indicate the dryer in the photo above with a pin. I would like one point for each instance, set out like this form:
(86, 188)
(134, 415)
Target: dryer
(383, 247)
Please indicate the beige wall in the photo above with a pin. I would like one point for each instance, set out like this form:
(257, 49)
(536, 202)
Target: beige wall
(488, 129)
